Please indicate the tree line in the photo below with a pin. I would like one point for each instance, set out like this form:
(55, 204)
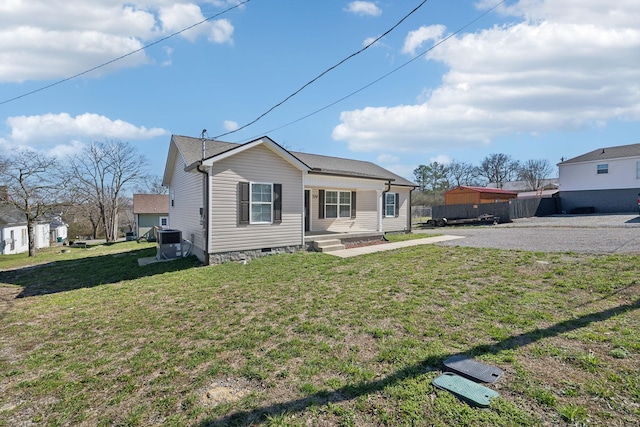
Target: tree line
(92, 187)
(436, 178)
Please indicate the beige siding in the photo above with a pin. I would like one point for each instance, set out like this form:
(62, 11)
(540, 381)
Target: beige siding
(366, 213)
(258, 164)
(366, 202)
(184, 212)
(401, 222)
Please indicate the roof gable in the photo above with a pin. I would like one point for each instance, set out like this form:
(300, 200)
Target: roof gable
(607, 153)
(264, 141)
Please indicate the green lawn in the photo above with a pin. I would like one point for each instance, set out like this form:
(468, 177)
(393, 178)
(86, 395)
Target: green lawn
(90, 338)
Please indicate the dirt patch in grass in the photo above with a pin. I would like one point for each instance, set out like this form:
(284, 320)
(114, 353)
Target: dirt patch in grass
(227, 390)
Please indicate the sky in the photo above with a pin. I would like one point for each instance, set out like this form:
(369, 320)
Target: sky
(455, 80)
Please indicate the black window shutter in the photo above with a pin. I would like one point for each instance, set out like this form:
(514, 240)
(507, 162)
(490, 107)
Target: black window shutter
(243, 202)
(320, 204)
(277, 203)
(397, 213)
(353, 204)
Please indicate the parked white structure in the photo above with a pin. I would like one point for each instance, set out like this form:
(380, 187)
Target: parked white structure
(606, 179)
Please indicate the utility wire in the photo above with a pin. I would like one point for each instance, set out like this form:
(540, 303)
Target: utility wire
(384, 76)
(322, 74)
(125, 55)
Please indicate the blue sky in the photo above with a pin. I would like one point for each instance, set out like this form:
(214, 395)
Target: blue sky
(532, 78)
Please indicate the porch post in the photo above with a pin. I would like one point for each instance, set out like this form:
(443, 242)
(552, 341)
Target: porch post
(379, 194)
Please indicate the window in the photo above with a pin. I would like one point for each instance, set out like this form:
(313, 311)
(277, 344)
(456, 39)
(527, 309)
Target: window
(390, 204)
(637, 170)
(23, 241)
(337, 204)
(260, 203)
(603, 168)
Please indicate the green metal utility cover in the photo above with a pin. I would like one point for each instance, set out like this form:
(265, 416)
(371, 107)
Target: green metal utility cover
(472, 393)
(472, 369)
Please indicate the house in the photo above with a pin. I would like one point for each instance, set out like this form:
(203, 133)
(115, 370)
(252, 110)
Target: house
(57, 228)
(240, 201)
(466, 195)
(602, 180)
(13, 232)
(150, 210)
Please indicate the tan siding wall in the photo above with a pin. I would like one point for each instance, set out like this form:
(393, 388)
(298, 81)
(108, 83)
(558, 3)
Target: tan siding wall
(184, 215)
(257, 164)
(366, 214)
(399, 223)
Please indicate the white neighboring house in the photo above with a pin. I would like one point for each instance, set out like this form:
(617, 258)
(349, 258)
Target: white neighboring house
(606, 179)
(58, 228)
(13, 232)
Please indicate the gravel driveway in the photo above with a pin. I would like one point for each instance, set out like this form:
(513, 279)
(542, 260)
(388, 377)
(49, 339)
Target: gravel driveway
(599, 234)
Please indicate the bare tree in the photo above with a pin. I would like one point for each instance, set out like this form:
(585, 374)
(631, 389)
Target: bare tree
(102, 173)
(152, 185)
(83, 218)
(32, 187)
(533, 172)
(498, 168)
(461, 173)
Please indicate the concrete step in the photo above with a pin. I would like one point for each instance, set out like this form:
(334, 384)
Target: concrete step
(328, 245)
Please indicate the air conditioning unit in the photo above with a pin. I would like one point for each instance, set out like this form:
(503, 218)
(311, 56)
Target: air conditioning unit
(169, 244)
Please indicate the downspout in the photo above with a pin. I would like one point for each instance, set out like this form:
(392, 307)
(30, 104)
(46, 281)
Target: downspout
(205, 211)
(382, 205)
(410, 210)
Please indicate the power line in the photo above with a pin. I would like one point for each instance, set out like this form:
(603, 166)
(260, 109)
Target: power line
(125, 55)
(323, 73)
(384, 76)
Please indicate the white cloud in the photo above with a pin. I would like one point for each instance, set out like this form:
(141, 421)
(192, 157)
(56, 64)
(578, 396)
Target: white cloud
(363, 8)
(52, 131)
(221, 31)
(387, 159)
(416, 39)
(230, 125)
(550, 71)
(440, 159)
(38, 37)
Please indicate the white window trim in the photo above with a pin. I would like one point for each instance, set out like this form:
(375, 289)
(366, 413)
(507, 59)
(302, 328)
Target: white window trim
(387, 204)
(604, 169)
(637, 170)
(251, 203)
(338, 204)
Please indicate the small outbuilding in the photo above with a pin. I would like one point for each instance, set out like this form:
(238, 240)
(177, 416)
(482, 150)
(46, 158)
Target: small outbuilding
(465, 195)
(150, 210)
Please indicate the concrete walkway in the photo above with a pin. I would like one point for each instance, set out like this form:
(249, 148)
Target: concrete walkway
(362, 250)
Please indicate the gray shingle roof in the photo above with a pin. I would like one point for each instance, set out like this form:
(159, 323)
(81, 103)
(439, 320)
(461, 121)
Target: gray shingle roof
(191, 149)
(11, 215)
(607, 153)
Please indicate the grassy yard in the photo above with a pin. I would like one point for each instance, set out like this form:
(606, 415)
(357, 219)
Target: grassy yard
(90, 338)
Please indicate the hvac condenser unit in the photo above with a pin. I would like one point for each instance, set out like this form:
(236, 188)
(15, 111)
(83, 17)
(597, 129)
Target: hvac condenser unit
(169, 244)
